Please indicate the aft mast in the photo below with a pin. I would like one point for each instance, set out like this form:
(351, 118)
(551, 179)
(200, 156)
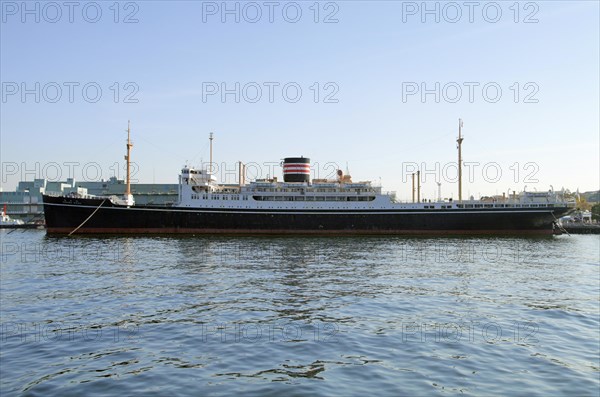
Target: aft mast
(210, 164)
(128, 196)
(459, 141)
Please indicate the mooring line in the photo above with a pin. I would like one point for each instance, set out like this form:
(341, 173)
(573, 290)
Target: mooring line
(560, 227)
(88, 218)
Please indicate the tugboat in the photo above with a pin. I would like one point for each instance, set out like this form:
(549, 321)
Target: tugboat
(7, 222)
(301, 206)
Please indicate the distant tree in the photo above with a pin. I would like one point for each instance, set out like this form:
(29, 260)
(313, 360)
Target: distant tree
(596, 212)
(582, 204)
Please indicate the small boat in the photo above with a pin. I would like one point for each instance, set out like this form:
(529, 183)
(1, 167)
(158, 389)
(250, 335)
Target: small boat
(7, 222)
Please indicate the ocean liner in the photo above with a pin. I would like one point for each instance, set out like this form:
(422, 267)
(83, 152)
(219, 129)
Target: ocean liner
(301, 206)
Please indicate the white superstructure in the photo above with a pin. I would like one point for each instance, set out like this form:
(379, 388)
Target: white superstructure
(199, 189)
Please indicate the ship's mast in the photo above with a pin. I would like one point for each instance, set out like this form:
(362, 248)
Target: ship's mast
(413, 187)
(459, 141)
(211, 158)
(419, 186)
(128, 195)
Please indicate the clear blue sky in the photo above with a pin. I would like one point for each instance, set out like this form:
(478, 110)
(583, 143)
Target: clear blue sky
(372, 55)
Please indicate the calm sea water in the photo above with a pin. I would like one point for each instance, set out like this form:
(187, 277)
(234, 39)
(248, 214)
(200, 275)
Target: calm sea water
(158, 316)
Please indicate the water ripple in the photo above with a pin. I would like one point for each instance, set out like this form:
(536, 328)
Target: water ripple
(268, 316)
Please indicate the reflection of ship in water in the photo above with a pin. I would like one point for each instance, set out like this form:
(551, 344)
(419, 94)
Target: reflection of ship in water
(299, 278)
(301, 206)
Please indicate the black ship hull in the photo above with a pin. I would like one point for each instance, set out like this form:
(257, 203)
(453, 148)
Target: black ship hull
(65, 215)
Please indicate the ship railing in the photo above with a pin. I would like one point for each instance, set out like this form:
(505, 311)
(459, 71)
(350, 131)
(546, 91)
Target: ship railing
(518, 201)
(571, 203)
(391, 193)
(25, 212)
(60, 194)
